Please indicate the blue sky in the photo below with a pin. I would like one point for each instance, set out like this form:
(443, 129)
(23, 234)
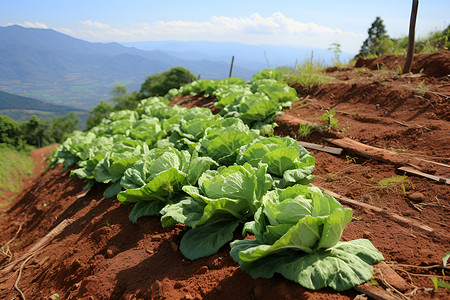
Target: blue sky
(280, 22)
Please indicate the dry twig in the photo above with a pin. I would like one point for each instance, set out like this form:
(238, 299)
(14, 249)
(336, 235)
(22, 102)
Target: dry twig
(5, 248)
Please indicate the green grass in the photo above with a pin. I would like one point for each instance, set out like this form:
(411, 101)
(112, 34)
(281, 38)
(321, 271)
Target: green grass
(395, 181)
(308, 74)
(15, 166)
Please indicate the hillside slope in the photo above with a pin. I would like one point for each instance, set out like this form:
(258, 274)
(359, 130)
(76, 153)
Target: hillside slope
(11, 101)
(100, 254)
(21, 108)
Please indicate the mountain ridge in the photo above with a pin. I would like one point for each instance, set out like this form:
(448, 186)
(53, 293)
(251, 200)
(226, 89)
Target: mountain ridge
(51, 66)
(21, 109)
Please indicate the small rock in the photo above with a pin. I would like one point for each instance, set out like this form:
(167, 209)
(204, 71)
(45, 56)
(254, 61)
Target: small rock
(174, 246)
(156, 287)
(416, 197)
(188, 297)
(178, 285)
(203, 270)
(367, 234)
(109, 253)
(75, 286)
(76, 264)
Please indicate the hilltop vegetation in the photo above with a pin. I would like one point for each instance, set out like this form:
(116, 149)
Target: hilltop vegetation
(36, 132)
(378, 41)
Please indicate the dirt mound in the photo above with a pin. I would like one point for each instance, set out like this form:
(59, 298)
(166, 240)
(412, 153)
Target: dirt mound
(100, 254)
(434, 65)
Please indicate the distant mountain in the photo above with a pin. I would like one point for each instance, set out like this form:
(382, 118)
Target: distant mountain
(22, 108)
(248, 56)
(48, 65)
(11, 101)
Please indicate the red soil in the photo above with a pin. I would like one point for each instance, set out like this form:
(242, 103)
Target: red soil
(101, 255)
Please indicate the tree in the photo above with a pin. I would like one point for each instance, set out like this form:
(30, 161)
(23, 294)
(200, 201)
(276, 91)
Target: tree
(11, 132)
(61, 127)
(374, 44)
(161, 83)
(35, 131)
(123, 100)
(102, 110)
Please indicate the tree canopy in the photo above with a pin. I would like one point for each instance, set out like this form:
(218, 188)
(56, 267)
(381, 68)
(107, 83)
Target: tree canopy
(373, 45)
(36, 132)
(161, 83)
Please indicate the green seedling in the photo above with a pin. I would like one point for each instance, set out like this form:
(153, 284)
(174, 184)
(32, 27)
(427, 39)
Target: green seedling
(304, 129)
(373, 282)
(332, 177)
(329, 119)
(336, 47)
(351, 159)
(440, 283)
(422, 88)
(392, 182)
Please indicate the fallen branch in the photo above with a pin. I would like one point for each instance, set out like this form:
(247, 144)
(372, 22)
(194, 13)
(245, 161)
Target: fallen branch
(5, 248)
(383, 155)
(393, 216)
(16, 283)
(38, 246)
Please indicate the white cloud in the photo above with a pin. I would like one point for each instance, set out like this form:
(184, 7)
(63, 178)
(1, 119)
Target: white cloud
(252, 29)
(277, 23)
(30, 25)
(95, 24)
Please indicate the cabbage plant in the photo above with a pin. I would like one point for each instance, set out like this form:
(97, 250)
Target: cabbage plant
(287, 161)
(157, 179)
(297, 233)
(223, 199)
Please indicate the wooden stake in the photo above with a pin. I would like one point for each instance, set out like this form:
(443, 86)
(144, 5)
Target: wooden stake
(422, 174)
(267, 60)
(231, 67)
(412, 29)
(332, 150)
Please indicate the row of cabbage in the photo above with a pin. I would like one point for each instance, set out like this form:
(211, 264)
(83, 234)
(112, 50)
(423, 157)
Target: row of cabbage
(213, 173)
(256, 103)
